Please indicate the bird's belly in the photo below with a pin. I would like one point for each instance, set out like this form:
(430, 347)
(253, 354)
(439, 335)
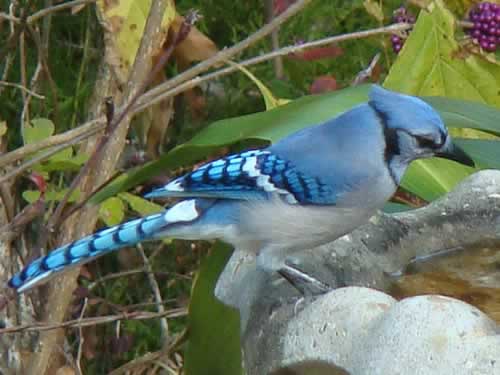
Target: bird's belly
(300, 227)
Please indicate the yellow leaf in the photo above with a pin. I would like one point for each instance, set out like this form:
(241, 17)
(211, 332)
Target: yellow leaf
(3, 128)
(270, 100)
(123, 22)
(374, 9)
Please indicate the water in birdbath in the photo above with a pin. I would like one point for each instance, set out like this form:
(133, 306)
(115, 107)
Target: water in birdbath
(471, 275)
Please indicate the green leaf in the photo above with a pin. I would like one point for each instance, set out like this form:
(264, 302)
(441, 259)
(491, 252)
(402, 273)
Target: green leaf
(39, 129)
(269, 126)
(58, 195)
(486, 153)
(42, 128)
(31, 196)
(214, 339)
(466, 114)
(275, 124)
(429, 179)
(52, 195)
(141, 205)
(112, 211)
(63, 161)
(430, 63)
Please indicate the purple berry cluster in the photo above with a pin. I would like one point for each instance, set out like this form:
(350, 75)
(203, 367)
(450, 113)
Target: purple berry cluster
(486, 30)
(400, 15)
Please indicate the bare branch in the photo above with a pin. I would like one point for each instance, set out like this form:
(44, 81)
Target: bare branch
(156, 292)
(21, 87)
(229, 53)
(85, 322)
(40, 158)
(59, 294)
(366, 73)
(46, 11)
(67, 138)
(81, 339)
(158, 94)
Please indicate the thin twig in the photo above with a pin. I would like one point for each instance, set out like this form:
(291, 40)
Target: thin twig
(60, 295)
(150, 357)
(24, 81)
(21, 87)
(9, 58)
(57, 8)
(67, 138)
(228, 53)
(81, 71)
(9, 17)
(12, 41)
(156, 95)
(275, 40)
(46, 11)
(128, 273)
(80, 338)
(156, 292)
(366, 73)
(85, 322)
(150, 29)
(153, 96)
(42, 53)
(37, 159)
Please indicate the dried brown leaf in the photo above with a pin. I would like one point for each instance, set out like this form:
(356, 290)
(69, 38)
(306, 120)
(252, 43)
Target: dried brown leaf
(196, 47)
(65, 370)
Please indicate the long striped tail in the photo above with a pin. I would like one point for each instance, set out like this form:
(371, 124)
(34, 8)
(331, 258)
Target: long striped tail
(95, 245)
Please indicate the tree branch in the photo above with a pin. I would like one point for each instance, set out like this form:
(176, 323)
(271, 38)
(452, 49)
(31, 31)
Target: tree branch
(158, 94)
(60, 294)
(85, 322)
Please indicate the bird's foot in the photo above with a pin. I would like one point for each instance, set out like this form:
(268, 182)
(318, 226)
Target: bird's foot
(306, 284)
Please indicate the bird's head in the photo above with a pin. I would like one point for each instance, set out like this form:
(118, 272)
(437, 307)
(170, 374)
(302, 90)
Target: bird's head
(413, 129)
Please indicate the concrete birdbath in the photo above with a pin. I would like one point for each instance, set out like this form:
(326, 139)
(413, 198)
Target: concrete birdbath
(359, 327)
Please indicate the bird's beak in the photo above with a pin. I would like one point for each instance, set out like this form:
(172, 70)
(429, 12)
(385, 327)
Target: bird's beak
(455, 153)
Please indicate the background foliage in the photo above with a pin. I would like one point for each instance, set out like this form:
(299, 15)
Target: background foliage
(220, 116)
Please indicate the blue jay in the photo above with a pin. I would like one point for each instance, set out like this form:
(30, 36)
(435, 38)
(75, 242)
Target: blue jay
(310, 188)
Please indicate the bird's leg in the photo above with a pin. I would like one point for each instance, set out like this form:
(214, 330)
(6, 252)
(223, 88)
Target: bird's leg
(306, 284)
(273, 259)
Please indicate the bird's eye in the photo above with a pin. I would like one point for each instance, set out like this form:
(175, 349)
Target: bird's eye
(425, 142)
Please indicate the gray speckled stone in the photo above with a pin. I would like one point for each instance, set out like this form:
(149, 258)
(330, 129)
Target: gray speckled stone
(364, 331)
(426, 335)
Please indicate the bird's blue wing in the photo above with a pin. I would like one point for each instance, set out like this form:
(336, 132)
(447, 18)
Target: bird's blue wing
(255, 174)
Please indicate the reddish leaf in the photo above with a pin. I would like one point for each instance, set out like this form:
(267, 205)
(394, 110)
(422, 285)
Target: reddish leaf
(279, 6)
(319, 53)
(405, 197)
(197, 103)
(323, 84)
(39, 181)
